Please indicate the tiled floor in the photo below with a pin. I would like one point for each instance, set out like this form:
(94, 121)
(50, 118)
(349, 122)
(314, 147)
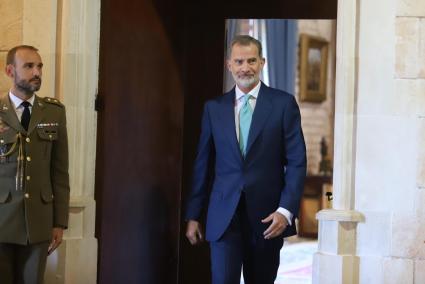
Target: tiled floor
(296, 259)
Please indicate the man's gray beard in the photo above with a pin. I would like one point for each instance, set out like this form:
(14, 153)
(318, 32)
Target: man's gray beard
(245, 83)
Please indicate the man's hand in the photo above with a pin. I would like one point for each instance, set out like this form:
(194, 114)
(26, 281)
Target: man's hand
(57, 235)
(278, 225)
(194, 232)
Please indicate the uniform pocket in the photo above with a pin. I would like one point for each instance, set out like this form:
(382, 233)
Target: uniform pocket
(47, 136)
(48, 133)
(4, 196)
(46, 197)
(6, 185)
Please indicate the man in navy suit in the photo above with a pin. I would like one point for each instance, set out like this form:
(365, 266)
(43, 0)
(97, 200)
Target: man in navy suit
(252, 152)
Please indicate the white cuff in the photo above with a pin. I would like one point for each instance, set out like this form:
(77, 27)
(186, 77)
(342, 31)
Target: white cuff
(288, 215)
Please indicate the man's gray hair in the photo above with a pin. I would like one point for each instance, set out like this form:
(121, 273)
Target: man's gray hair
(246, 40)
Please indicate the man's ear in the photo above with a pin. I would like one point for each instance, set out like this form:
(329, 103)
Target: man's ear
(10, 70)
(229, 65)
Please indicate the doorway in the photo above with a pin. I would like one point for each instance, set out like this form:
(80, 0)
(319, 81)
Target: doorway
(285, 71)
(159, 61)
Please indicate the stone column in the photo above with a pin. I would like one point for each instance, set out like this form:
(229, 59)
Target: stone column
(336, 260)
(379, 151)
(67, 34)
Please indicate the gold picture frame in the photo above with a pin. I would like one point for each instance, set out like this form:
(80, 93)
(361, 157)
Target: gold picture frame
(313, 68)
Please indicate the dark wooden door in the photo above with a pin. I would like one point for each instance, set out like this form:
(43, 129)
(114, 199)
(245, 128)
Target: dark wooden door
(138, 174)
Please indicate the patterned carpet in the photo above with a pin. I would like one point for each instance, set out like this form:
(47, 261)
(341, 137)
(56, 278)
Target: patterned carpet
(296, 259)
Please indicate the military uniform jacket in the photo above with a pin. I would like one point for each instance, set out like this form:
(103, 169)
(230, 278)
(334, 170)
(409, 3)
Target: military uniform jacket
(34, 180)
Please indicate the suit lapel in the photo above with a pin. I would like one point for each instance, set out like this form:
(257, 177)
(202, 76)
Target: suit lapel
(36, 114)
(228, 121)
(8, 114)
(262, 111)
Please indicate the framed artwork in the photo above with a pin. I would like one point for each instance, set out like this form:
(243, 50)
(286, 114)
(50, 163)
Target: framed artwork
(313, 68)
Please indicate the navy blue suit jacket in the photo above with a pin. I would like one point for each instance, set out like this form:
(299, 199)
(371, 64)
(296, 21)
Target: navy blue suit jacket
(271, 175)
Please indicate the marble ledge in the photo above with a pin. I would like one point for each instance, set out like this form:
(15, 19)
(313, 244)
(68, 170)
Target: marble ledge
(340, 215)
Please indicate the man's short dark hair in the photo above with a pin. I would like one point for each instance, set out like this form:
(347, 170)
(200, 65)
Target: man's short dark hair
(246, 40)
(10, 58)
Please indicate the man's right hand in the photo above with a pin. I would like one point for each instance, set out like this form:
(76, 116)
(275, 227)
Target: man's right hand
(194, 233)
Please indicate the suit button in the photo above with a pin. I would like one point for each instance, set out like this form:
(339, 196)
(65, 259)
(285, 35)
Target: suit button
(29, 159)
(27, 195)
(28, 140)
(28, 177)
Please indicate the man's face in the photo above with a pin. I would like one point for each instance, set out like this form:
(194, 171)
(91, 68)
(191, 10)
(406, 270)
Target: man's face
(245, 65)
(26, 72)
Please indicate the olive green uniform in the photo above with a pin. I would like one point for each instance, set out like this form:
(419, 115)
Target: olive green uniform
(34, 180)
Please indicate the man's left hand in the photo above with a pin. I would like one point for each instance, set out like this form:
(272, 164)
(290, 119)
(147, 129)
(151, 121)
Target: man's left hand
(278, 225)
(57, 236)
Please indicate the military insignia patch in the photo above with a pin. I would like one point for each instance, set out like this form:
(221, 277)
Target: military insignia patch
(3, 126)
(43, 125)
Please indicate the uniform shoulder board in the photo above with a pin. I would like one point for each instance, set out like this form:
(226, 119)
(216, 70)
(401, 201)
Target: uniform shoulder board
(53, 101)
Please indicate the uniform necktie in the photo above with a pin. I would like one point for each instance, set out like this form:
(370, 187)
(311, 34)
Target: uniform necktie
(26, 115)
(245, 117)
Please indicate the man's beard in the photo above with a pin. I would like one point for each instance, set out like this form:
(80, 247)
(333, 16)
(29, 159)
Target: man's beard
(27, 87)
(245, 81)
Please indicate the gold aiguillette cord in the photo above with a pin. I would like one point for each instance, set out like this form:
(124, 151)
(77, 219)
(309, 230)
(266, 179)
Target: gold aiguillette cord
(20, 167)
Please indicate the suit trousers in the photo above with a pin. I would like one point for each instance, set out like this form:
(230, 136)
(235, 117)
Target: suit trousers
(240, 248)
(23, 264)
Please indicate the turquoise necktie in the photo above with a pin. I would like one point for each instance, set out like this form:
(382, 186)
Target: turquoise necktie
(245, 117)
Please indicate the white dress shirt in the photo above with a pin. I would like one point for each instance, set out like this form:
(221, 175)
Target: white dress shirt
(252, 101)
(19, 109)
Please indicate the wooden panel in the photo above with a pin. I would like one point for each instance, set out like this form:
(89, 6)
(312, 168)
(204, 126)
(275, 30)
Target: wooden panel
(313, 201)
(138, 173)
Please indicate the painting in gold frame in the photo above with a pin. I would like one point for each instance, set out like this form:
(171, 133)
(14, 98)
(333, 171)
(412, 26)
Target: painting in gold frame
(313, 68)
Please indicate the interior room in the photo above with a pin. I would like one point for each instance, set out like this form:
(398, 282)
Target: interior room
(134, 76)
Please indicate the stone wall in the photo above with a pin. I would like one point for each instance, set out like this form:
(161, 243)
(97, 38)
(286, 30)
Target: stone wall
(66, 33)
(407, 254)
(377, 228)
(391, 139)
(11, 34)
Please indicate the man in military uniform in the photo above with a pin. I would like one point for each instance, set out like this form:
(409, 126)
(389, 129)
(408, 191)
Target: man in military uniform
(34, 181)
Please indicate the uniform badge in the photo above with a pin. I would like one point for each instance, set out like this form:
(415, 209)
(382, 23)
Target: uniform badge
(3, 126)
(4, 149)
(3, 158)
(44, 125)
